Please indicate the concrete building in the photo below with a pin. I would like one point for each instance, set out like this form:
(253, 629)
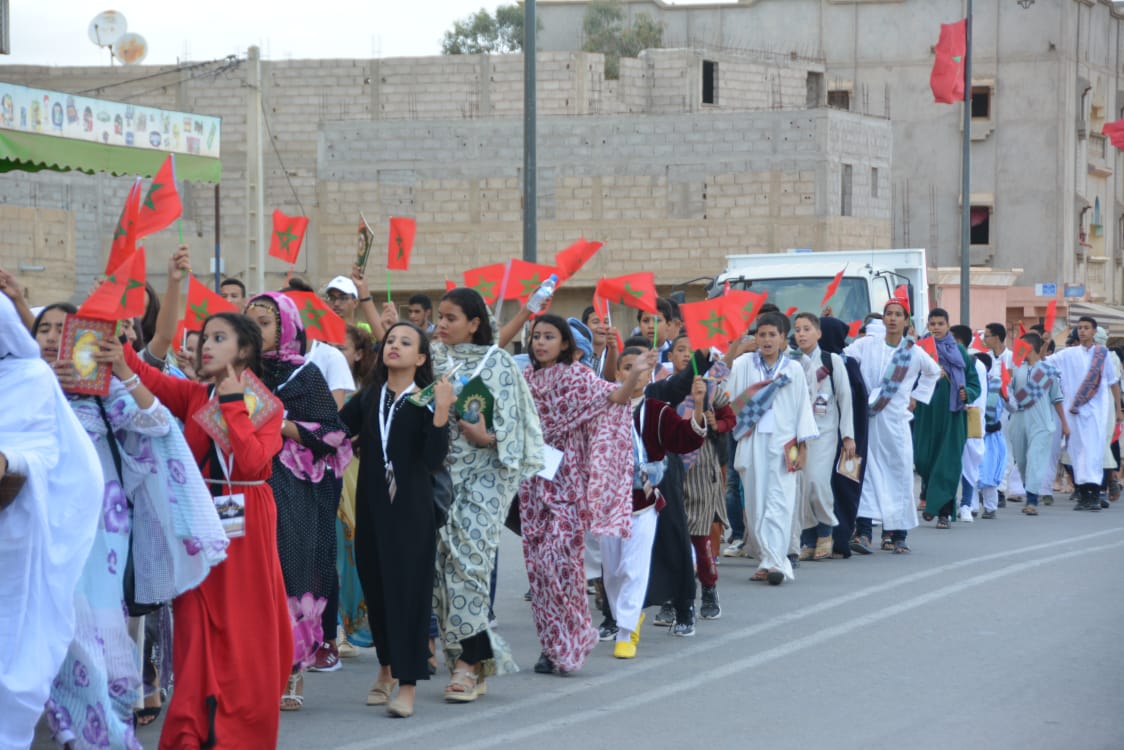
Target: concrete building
(1046, 192)
(648, 163)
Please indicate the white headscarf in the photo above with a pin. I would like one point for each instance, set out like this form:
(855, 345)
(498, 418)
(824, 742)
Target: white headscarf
(45, 534)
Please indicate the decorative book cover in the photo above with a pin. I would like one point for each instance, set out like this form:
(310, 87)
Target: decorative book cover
(474, 401)
(366, 240)
(260, 403)
(850, 468)
(791, 453)
(81, 340)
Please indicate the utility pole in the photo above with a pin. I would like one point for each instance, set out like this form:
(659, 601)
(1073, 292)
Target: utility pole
(530, 155)
(966, 179)
(255, 176)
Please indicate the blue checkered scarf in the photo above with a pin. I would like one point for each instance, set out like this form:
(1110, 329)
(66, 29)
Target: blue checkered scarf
(1042, 375)
(892, 379)
(754, 402)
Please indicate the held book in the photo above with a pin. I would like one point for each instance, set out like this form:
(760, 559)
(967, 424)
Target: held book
(260, 403)
(81, 342)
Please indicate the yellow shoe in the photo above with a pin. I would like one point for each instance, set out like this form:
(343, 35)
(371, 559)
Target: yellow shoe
(624, 650)
(634, 638)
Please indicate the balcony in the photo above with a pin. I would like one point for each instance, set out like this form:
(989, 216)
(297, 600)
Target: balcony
(1099, 155)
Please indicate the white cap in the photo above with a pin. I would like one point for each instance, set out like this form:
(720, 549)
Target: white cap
(343, 284)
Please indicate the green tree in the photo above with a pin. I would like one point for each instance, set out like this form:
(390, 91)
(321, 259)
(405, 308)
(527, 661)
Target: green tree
(485, 34)
(605, 31)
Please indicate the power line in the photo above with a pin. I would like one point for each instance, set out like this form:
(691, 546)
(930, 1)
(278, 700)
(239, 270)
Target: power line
(178, 69)
(277, 152)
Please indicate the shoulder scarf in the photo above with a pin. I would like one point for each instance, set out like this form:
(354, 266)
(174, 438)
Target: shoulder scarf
(1037, 383)
(754, 402)
(1092, 381)
(892, 380)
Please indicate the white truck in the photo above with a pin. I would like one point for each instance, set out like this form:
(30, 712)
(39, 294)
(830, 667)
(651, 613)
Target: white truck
(799, 278)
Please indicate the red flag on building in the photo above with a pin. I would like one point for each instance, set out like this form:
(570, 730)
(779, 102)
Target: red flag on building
(125, 235)
(320, 322)
(1019, 352)
(1051, 316)
(523, 278)
(161, 206)
(947, 78)
(977, 344)
(707, 323)
(203, 303)
(832, 287)
(742, 307)
(121, 295)
(902, 293)
(486, 280)
(928, 346)
(635, 290)
(1115, 133)
(853, 329)
(569, 261)
(402, 231)
(288, 234)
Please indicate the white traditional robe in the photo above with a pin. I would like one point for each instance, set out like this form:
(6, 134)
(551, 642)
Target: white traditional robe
(1030, 432)
(770, 489)
(1088, 428)
(973, 453)
(817, 500)
(888, 483)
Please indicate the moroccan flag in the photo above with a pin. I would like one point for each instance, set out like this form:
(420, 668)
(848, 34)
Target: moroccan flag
(707, 323)
(288, 233)
(601, 307)
(832, 287)
(1019, 352)
(853, 329)
(161, 206)
(524, 278)
(791, 311)
(742, 307)
(319, 321)
(203, 303)
(947, 78)
(486, 280)
(449, 286)
(569, 261)
(1115, 133)
(1051, 316)
(121, 295)
(902, 293)
(1022, 329)
(1004, 379)
(977, 344)
(402, 231)
(928, 346)
(635, 290)
(125, 235)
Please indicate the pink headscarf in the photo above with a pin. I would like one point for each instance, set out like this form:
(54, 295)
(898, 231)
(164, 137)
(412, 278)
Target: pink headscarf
(290, 328)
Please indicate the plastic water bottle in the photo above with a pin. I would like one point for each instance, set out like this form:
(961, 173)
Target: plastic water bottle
(537, 300)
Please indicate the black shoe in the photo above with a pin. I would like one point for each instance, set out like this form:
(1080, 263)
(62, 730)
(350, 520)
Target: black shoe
(684, 626)
(775, 578)
(527, 596)
(794, 560)
(1002, 500)
(607, 631)
(666, 616)
(710, 609)
(988, 514)
(1102, 499)
(544, 665)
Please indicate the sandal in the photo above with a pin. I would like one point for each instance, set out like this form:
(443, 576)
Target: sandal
(861, 545)
(927, 516)
(823, 548)
(379, 694)
(1030, 510)
(942, 523)
(901, 548)
(293, 698)
(760, 575)
(149, 714)
(462, 688)
(887, 544)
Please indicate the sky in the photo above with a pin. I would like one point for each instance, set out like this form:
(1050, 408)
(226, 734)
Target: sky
(54, 32)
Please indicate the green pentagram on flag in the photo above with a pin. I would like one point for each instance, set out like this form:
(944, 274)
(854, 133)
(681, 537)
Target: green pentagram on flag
(484, 287)
(747, 310)
(285, 237)
(120, 231)
(148, 202)
(199, 311)
(401, 249)
(634, 292)
(130, 285)
(530, 285)
(713, 324)
(311, 315)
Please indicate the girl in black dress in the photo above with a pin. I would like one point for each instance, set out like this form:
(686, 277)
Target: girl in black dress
(395, 530)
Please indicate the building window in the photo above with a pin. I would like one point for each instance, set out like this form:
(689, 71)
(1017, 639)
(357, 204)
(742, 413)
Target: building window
(981, 225)
(839, 99)
(981, 102)
(815, 86)
(710, 82)
(845, 191)
(874, 182)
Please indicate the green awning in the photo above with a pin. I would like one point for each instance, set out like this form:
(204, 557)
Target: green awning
(32, 152)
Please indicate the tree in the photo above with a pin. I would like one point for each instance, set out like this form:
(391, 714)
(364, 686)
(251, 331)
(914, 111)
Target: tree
(605, 32)
(484, 34)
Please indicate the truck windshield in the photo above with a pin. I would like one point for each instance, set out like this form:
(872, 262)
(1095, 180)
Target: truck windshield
(851, 300)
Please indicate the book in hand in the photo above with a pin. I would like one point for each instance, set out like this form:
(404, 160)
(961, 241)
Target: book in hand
(849, 467)
(425, 396)
(791, 453)
(81, 342)
(260, 403)
(366, 240)
(476, 401)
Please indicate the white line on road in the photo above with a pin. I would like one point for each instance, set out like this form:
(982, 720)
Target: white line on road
(490, 715)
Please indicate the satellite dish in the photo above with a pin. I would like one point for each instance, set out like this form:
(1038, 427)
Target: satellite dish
(130, 48)
(107, 28)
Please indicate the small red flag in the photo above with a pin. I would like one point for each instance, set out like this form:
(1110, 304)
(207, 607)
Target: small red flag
(570, 260)
(601, 307)
(288, 234)
(162, 204)
(1004, 378)
(707, 323)
(319, 321)
(523, 278)
(1019, 352)
(832, 287)
(402, 231)
(449, 286)
(977, 344)
(121, 295)
(853, 329)
(203, 303)
(1022, 329)
(1115, 133)
(125, 235)
(486, 280)
(742, 307)
(947, 77)
(902, 293)
(791, 311)
(636, 290)
(928, 346)
(1051, 316)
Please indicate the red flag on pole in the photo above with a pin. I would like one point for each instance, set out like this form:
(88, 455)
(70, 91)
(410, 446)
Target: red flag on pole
(928, 346)
(121, 295)
(525, 277)
(947, 77)
(853, 329)
(707, 323)
(1022, 329)
(402, 231)
(1051, 316)
(449, 286)
(162, 204)
(125, 235)
(902, 293)
(1114, 131)
(791, 311)
(636, 290)
(320, 322)
(600, 306)
(486, 280)
(1019, 352)
(742, 308)
(977, 344)
(1004, 379)
(203, 303)
(570, 260)
(288, 234)
(832, 287)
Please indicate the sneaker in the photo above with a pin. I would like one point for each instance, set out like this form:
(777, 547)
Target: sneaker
(988, 514)
(1047, 499)
(527, 596)
(1002, 500)
(794, 560)
(634, 636)
(624, 650)
(346, 650)
(710, 609)
(737, 549)
(544, 665)
(685, 629)
(666, 616)
(607, 631)
(966, 514)
(1103, 498)
(327, 658)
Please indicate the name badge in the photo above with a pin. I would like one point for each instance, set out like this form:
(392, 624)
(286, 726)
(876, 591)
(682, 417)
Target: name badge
(232, 513)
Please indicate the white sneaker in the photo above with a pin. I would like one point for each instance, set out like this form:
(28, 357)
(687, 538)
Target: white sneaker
(737, 549)
(966, 514)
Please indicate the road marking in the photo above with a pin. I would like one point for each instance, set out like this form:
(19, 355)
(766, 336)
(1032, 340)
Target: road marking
(489, 717)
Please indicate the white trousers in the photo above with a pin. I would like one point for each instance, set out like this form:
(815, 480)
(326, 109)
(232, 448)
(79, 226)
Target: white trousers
(626, 565)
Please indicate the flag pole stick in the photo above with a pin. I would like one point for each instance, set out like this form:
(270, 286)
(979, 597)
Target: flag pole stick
(503, 288)
(656, 332)
(388, 299)
(179, 224)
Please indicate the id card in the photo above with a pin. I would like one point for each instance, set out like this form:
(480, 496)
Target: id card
(232, 513)
(552, 459)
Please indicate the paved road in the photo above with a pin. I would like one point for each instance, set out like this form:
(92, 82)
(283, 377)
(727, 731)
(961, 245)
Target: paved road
(998, 634)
